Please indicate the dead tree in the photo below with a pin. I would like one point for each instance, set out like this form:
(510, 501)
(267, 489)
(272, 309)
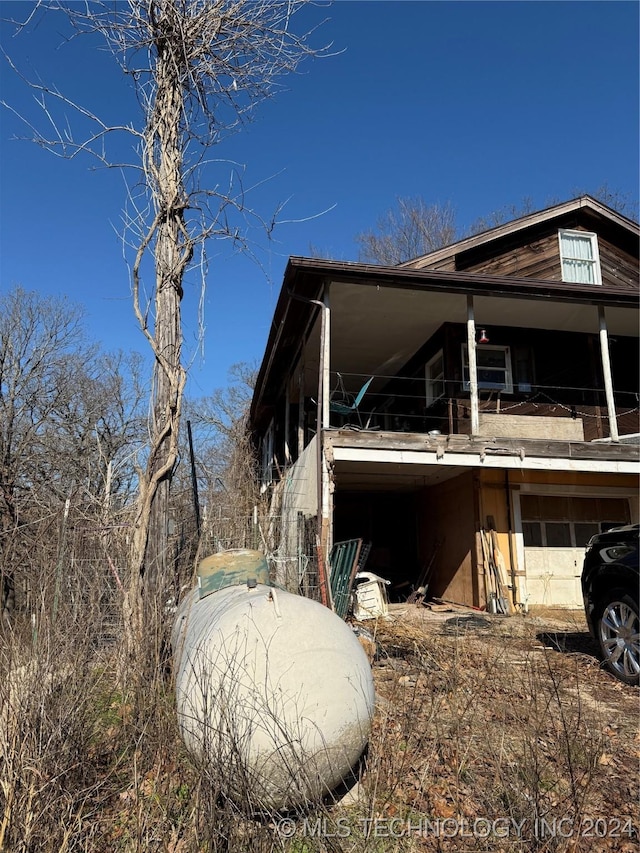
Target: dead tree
(199, 68)
(68, 422)
(411, 229)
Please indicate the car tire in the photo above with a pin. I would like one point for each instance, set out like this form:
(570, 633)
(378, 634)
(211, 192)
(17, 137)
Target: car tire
(617, 631)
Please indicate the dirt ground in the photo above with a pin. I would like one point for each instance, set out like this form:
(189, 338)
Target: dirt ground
(504, 730)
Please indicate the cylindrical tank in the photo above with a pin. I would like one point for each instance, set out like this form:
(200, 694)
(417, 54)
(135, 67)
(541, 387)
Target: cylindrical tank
(274, 691)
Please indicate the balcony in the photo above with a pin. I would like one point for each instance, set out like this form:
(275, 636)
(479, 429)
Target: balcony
(399, 404)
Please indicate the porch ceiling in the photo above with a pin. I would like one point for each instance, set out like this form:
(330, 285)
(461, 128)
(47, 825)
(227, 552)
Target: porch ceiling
(376, 331)
(381, 316)
(372, 476)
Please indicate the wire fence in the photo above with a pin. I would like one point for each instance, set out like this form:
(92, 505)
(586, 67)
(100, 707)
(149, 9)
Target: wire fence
(291, 554)
(64, 568)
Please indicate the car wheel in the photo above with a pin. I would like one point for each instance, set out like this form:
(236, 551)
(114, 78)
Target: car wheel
(617, 629)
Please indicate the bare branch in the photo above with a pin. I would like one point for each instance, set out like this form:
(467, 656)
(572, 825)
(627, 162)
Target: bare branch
(411, 229)
(199, 69)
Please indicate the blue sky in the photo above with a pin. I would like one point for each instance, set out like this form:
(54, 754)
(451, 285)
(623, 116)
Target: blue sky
(473, 103)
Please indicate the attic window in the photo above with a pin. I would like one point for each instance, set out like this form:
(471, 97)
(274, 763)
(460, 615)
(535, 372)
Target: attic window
(579, 257)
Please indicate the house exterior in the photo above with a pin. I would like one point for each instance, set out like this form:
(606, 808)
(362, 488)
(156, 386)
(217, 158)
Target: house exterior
(496, 383)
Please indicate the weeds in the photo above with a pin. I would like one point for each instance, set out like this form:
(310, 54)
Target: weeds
(482, 740)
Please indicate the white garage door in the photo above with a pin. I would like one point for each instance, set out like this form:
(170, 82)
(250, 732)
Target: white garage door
(555, 531)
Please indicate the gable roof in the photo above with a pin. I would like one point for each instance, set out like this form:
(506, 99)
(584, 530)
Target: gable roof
(587, 210)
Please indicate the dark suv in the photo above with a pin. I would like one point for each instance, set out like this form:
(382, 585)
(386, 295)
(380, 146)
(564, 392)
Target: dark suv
(610, 582)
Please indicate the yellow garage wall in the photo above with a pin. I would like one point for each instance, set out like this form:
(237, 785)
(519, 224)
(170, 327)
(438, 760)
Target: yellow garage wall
(492, 501)
(452, 514)
(446, 527)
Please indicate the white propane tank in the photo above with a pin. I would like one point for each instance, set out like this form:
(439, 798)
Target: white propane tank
(274, 692)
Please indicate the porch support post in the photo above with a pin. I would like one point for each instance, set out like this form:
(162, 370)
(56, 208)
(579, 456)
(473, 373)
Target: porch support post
(325, 357)
(300, 408)
(473, 370)
(287, 405)
(606, 372)
(324, 493)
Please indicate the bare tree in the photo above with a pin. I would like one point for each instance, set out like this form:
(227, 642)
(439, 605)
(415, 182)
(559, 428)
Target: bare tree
(623, 202)
(35, 336)
(69, 420)
(221, 414)
(411, 229)
(221, 422)
(97, 428)
(503, 214)
(199, 68)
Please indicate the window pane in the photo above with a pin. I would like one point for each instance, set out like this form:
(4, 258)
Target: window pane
(617, 508)
(584, 509)
(490, 358)
(584, 531)
(579, 271)
(555, 507)
(530, 506)
(558, 534)
(491, 379)
(577, 247)
(436, 368)
(532, 533)
(434, 391)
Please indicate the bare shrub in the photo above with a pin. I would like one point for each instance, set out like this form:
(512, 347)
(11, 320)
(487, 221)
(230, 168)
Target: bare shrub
(484, 742)
(478, 725)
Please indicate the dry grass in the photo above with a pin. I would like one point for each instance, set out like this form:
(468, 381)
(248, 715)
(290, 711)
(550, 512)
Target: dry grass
(490, 733)
(505, 724)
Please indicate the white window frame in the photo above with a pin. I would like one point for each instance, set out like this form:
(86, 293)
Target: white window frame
(507, 388)
(595, 252)
(432, 381)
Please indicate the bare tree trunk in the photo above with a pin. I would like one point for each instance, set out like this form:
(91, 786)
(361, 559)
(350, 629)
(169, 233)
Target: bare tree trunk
(198, 69)
(173, 252)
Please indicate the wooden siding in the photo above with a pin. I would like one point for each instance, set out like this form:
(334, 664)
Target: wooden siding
(445, 264)
(540, 259)
(446, 525)
(619, 269)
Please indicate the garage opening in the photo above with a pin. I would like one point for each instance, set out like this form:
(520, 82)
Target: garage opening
(388, 521)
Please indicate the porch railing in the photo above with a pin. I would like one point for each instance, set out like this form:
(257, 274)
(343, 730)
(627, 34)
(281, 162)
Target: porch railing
(400, 404)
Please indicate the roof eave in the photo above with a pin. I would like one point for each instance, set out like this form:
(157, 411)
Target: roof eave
(301, 270)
